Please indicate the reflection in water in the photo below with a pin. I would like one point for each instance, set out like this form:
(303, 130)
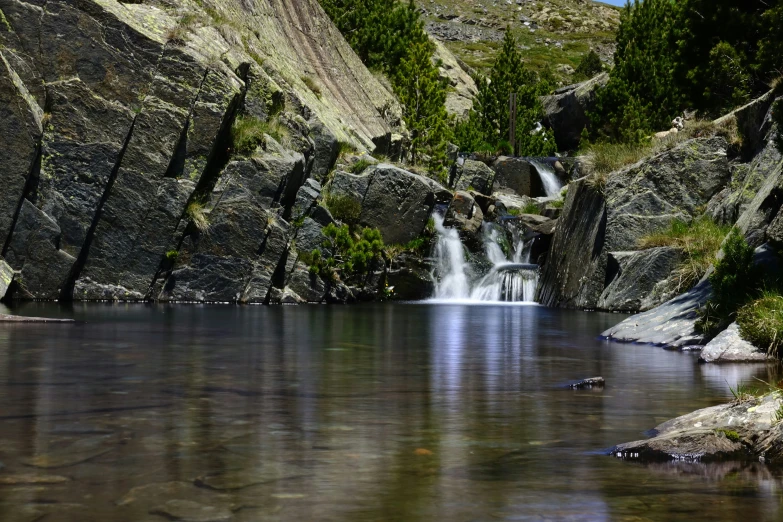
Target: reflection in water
(378, 412)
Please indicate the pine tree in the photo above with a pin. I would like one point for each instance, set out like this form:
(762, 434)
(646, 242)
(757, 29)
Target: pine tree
(641, 95)
(423, 96)
(488, 123)
(589, 65)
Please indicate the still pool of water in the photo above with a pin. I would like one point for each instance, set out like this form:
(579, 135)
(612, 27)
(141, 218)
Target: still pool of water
(379, 412)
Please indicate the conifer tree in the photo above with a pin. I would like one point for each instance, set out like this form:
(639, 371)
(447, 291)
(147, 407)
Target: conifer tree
(423, 96)
(487, 126)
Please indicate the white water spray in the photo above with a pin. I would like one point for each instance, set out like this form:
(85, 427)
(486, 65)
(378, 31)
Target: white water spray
(510, 281)
(552, 184)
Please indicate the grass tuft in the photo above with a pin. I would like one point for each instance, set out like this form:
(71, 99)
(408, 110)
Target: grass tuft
(198, 216)
(761, 322)
(248, 133)
(700, 240)
(344, 208)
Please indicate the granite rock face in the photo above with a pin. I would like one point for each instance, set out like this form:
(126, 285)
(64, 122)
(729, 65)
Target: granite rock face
(119, 171)
(641, 279)
(566, 113)
(474, 175)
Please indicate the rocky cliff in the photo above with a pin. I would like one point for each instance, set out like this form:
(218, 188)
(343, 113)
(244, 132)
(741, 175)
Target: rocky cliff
(116, 137)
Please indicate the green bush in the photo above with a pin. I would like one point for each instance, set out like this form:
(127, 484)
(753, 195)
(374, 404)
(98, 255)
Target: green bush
(359, 166)
(761, 322)
(344, 208)
(590, 65)
(531, 208)
(344, 252)
(734, 282)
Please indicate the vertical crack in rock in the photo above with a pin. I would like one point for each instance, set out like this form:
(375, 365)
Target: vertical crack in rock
(217, 159)
(67, 290)
(29, 188)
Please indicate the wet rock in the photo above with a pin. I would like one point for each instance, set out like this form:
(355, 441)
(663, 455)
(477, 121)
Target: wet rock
(729, 346)
(573, 274)
(399, 203)
(509, 202)
(566, 112)
(5, 318)
(464, 215)
(537, 223)
(308, 287)
(518, 175)
(410, 279)
(736, 431)
(592, 382)
(189, 511)
(474, 175)
(671, 325)
(640, 279)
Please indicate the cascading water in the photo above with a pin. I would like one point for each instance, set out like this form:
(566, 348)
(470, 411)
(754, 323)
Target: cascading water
(552, 184)
(509, 281)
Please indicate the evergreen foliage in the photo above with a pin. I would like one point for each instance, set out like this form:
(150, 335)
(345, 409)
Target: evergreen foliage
(589, 65)
(342, 251)
(733, 283)
(423, 97)
(709, 55)
(487, 126)
(388, 35)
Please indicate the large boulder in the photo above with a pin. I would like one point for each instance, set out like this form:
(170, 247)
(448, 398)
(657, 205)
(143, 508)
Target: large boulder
(742, 430)
(459, 97)
(235, 254)
(517, 175)
(639, 279)
(729, 346)
(474, 175)
(670, 325)
(569, 276)
(565, 112)
(674, 184)
(395, 201)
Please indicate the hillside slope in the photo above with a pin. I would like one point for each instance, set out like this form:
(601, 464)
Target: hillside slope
(552, 33)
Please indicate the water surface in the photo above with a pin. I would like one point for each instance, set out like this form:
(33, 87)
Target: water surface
(376, 412)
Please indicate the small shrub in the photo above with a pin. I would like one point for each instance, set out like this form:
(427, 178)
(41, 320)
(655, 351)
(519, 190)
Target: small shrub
(346, 253)
(590, 65)
(761, 322)
(777, 117)
(344, 208)
(700, 240)
(531, 208)
(733, 282)
(172, 256)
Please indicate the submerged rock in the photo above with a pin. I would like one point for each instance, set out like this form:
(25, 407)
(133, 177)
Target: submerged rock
(190, 511)
(729, 346)
(592, 382)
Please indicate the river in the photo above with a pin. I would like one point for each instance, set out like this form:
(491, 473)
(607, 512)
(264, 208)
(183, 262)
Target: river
(376, 412)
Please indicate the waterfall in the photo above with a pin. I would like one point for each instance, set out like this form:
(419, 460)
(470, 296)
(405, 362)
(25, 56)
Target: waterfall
(549, 179)
(508, 281)
(451, 266)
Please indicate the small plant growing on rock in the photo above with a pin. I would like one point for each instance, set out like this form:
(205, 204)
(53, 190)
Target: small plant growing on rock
(197, 215)
(344, 208)
(761, 322)
(248, 133)
(353, 255)
(310, 83)
(732, 435)
(359, 166)
(172, 256)
(733, 282)
(531, 208)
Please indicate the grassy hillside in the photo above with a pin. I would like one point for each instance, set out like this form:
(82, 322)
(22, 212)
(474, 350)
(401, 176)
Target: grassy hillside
(553, 33)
